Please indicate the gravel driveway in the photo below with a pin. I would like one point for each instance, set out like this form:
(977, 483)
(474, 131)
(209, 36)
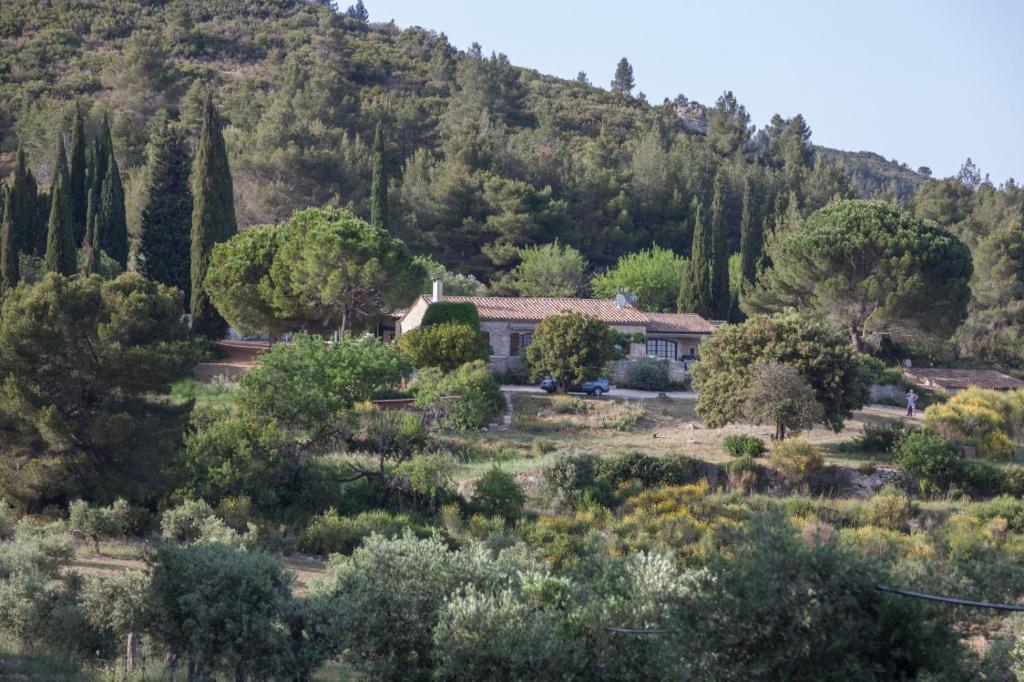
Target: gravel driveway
(615, 392)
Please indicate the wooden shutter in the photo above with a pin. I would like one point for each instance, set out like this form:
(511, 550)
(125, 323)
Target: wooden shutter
(513, 343)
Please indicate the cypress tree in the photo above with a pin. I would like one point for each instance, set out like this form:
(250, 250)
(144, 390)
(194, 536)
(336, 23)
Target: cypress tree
(77, 187)
(213, 216)
(61, 255)
(719, 256)
(379, 188)
(698, 290)
(751, 243)
(23, 199)
(111, 229)
(165, 239)
(101, 147)
(8, 245)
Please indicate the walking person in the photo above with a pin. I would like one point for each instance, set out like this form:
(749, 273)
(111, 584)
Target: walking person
(911, 402)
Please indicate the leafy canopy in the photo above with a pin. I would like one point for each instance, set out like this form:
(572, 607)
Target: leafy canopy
(569, 347)
(443, 345)
(654, 275)
(870, 268)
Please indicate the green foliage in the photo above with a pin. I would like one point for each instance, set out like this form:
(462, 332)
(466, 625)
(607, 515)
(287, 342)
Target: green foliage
(97, 522)
(646, 374)
(60, 233)
(165, 230)
(450, 312)
(742, 472)
(928, 459)
(720, 256)
(84, 363)
(981, 419)
(623, 82)
(330, 533)
(455, 284)
(779, 395)
(569, 347)
(466, 398)
(429, 476)
(869, 266)
(881, 437)
(550, 270)
(447, 346)
(9, 275)
(497, 493)
(697, 293)
(110, 230)
(563, 482)
(379, 186)
(213, 216)
(653, 275)
(740, 446)
(876, 372)
(796, 460)
(823, 357)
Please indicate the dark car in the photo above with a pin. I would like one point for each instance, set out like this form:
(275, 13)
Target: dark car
(596, 387)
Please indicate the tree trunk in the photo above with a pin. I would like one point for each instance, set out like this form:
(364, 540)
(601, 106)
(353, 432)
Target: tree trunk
(96, 543)
(780, 431)
(857, 336)
(129, 655)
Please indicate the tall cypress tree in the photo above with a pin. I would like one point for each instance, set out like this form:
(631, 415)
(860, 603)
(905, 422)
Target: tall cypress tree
(379, 188)
(77, 187)
(101, 149)
(61, 255)
(165, 239)
(698, 291)
(8, 245)
(719, 256)
(213, 216)
(23, 199)
(750, 242)
(111, 229)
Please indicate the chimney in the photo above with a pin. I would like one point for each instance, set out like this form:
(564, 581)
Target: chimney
(438, 291)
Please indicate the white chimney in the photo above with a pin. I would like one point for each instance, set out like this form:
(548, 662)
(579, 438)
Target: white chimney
(438, 291)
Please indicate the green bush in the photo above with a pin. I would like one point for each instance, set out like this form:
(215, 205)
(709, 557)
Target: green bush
(497, 493)
(563, 482)
(877, 372)
(568, 404)
(330, 533)
(671, 469)
(430, 476)
(797, 461)
(466, 398)
(738, 446)
(980, 478)
(541, 447)
(927, 459)
(450, 312)
(742, 472)
(646, 374)
(889, 508)
(881, 437)
(446, 346)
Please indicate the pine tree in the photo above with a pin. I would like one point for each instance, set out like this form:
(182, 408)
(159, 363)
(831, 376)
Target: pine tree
(750, 243)
(8, 245)
(111, 229)
(698, 296)
(358, 12)
(77, 187)
(23, 199)
(213, 216)
(61, 255)
(719, 256)
(165, 238)
(379, 188)
(623, 82)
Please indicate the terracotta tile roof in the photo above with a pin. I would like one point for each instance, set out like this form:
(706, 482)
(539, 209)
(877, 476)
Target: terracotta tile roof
(965, 378)
(685, 323)
(495, 308)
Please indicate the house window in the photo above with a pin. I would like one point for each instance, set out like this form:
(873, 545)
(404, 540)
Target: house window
(517, 342)
(660, 348)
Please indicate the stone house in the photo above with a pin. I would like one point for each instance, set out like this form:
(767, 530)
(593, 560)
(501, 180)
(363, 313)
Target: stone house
(507, 324)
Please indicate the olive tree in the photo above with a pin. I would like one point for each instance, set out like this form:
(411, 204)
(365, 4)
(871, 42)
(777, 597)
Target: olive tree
(779, 395)
(569, 347)
(871, 268)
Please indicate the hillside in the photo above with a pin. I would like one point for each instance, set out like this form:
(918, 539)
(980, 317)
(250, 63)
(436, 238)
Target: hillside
(484, 156)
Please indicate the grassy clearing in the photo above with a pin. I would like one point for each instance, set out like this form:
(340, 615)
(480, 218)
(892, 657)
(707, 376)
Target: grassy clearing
(216, 392)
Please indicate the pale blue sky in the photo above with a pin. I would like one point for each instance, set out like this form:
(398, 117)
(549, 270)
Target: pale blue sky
(926, 83)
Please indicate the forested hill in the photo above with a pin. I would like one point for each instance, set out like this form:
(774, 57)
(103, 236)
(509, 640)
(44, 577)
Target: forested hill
(483, 156)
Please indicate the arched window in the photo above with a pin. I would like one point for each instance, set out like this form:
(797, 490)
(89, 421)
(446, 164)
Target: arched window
(660, 348)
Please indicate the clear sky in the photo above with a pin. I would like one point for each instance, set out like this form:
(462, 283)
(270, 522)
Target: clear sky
(926, 83)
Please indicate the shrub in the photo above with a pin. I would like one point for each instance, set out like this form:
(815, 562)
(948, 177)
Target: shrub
(889, 508)
(646, 374)
(466, 398)
(496, 493)
(877, 372)
(928, 459)
(541, 447)
(568, 404)
(797, 461)
(394, 433)
(982, 479)
(880, 437)
(444, 345)
(450, 312)
(97, 522)
(742, 473)
(624, 417)
(429, 476)
(738, 446)
(672, 469)
(194, 521)
(330, 533)
(563, 482)
(978, 418)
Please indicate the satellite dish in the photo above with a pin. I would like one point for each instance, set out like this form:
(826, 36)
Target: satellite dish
(620, 301)
(630, 298)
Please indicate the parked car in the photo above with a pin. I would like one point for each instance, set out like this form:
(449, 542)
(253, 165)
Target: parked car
(596, 387)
